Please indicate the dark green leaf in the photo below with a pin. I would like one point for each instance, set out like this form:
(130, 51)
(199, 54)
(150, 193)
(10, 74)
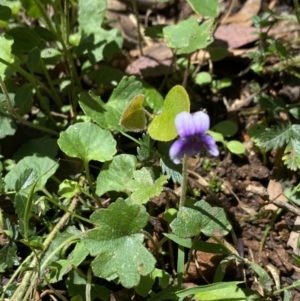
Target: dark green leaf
(5, 13)
(274, 137)
(43, 147)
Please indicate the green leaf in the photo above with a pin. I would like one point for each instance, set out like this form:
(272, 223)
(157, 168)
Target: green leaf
(274, 137)
(43, 167)
(144, 150)
(59, 239)
(205, 8)
(146, 283)
(162, 127)
(68, 188)
(40, 147)
(8, 254)
(217, 53)
(33, 59)
(143, 186)
(212, 248)
(170, 214)
(224, 291)
(26, 178)
(106, 76)
(119, 238)
(108, 115)
(217, 136)
(32, 8)
(185, 242)
(227, 128)
(154, 102)
(221, 83)
(7, 124)
(264, 278)
(236, 147)
(171, 173)
(77, 286)
(87, 141)
(155, 32)
(211, 221)
(133, 117)
(60, 267)
(90, 15)
(25, 39)
(120, 175)
(291, 157)
(23, 99)
(5, 13)
(6, 43)
(188, 36)
(115, 174)
(100, 44)
(255, 132)
(203, 78)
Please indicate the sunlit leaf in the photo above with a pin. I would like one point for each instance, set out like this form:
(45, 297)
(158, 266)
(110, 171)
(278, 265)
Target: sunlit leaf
(87, 141)
(211, 221)
(108, 115)
(188, 36)
(162, 127)
(119, 238)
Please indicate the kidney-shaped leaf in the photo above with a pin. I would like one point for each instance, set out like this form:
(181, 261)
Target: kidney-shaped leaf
(209, 8)
(23, 175)
(118, 245)
(115, 175)
(188, 36)
(211, 221)
(87, 141)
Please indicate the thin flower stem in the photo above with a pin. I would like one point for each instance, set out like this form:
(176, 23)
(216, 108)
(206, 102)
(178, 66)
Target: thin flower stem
(184, 182)
(187, 71)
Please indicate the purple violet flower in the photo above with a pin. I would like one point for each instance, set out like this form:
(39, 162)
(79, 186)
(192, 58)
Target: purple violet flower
(191, 129)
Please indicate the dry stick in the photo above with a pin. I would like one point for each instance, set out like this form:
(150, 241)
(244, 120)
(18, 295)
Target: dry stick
(31, 275)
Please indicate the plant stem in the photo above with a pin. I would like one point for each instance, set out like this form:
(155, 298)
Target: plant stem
(14, 276)
(88, 285)
(55, 95)
(136, 12)
(31, 275)
(187, 71)
(184, 182)
(18, 117)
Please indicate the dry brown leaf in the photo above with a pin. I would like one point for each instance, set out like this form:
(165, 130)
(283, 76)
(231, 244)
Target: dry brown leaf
(294, 236)
(250, 9)
(235, 35)
(147, 67)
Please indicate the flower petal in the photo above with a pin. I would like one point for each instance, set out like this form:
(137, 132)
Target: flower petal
(184, 124)
(176, 151)
(210, 144)
(201, 122)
